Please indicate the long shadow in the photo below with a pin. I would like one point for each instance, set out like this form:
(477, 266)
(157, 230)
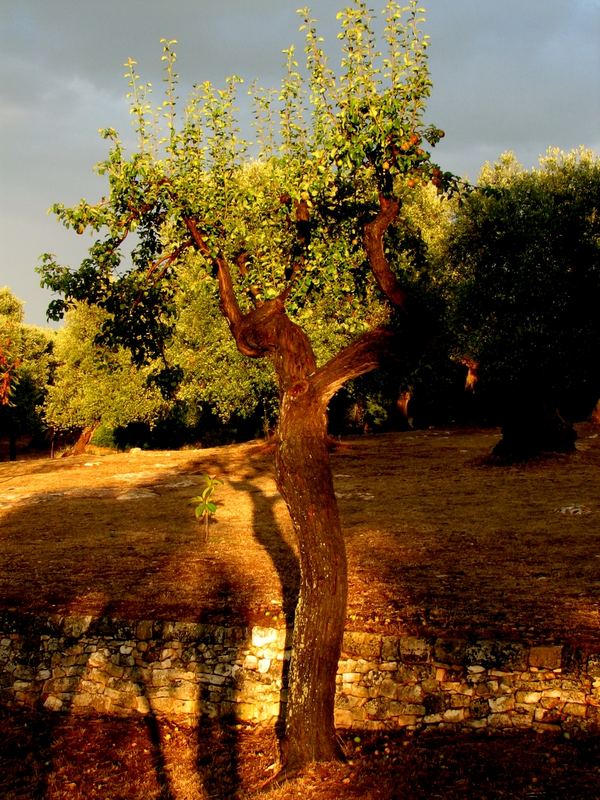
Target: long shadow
(45, 727)
(268, 534)
(217, 766)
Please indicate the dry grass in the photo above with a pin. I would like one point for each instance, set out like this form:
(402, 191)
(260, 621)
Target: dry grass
(438, 543)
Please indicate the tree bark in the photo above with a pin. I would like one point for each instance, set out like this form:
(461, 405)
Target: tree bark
(305, 481)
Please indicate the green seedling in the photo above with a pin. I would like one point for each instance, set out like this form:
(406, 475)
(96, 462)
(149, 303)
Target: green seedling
(205, 505)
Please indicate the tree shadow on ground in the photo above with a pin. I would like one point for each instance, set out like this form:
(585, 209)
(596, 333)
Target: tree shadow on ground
(214, 772)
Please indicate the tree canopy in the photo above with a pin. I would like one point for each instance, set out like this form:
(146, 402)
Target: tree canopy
(523, 262)
(26, 365)
(95, 385)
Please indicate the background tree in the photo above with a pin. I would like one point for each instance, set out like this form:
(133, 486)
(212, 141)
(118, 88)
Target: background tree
(95, 387)
(524, 272)
(26, 365)
(219, 386)
(297, 239)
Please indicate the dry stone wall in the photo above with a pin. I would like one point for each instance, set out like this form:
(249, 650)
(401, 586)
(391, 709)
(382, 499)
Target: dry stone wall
(81, 664)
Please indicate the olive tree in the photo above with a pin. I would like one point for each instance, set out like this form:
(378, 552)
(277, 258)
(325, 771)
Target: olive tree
(523, 262)
(295, 236)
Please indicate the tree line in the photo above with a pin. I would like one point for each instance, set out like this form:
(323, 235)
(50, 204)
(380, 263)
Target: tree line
(508, 269)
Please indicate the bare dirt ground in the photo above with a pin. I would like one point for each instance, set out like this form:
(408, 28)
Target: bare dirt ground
(439, 542)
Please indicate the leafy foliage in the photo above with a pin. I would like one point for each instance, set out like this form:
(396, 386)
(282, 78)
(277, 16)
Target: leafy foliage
(94, 384)
(290, 218)
(26, 367)
(524, 269)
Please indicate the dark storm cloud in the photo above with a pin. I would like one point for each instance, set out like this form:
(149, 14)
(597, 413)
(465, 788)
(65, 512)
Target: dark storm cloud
(517, 74)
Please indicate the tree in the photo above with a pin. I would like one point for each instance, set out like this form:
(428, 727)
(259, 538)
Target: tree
(26, 365)
(11, 318)
(94, 385)
(296, 238)
(524, 267)
(217, 381)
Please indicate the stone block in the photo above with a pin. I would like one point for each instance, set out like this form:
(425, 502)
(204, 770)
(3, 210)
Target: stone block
(184, 691)
(343, 718)
(82, 700)
(376, 707)
(479, 709)
(546, 656)
(412, 693)
(528, 698)
(523, 716)
(355, 690)
(390, 649)
(397, 709)
(450, 651)
(459, 701)
(454, 715)
(57, 685)
(593, 665)
(500, 720)
(406, 720)
(365, 645)
(388, 688)
(251, 662)
(53, 703)
(74, 627)
(502, 704)
(492, 654)
(415, 650)
(575, 710)
(263, 636)
(433, 704)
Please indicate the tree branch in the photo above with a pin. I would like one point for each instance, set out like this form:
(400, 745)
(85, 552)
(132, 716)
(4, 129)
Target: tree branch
(230, 307)
(362, 356)
(373, 236)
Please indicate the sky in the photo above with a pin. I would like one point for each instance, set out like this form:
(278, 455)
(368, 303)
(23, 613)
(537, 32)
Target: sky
(518, 75)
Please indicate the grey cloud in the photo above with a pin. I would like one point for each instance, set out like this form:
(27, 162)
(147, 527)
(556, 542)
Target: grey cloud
(507, 74)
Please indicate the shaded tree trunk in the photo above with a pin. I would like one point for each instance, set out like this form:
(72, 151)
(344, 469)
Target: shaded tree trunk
(532, 427)
(83, 440)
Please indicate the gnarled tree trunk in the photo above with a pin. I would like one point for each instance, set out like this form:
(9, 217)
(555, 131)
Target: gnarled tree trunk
(306, 483)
